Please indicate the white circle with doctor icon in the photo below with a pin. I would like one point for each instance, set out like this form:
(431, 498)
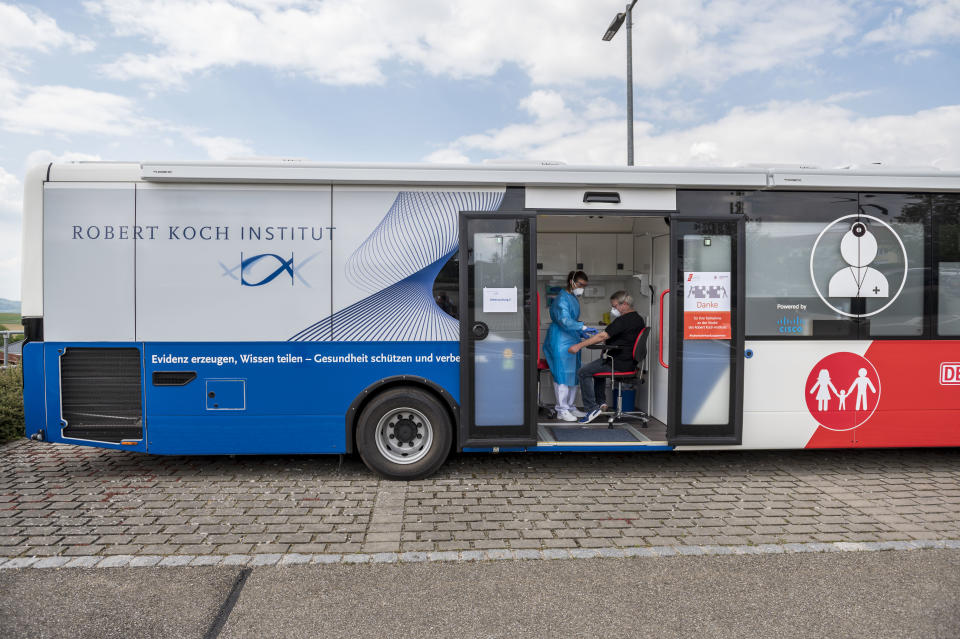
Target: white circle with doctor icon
(868, 260)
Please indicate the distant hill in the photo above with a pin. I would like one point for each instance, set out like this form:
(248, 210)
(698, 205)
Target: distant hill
(9, 306)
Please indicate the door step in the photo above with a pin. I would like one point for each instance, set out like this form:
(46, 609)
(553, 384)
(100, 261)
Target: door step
(596, 434)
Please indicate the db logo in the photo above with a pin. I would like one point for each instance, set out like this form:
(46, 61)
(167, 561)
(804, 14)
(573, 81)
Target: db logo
(843, 391)
(950, 373)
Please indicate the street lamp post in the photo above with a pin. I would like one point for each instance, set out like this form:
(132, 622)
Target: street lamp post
(612, 31)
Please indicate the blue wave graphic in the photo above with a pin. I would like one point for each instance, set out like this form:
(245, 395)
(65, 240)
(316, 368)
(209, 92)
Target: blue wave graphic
(402, 308)
(422, 222)
(285, 266)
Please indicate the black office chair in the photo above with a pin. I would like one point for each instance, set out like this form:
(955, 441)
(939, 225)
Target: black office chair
(631, 377)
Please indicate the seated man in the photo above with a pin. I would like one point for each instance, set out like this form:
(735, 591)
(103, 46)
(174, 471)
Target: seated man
(622, 332)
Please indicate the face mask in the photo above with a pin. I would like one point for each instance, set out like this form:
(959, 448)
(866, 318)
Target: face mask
(578, 292)
(614, 312)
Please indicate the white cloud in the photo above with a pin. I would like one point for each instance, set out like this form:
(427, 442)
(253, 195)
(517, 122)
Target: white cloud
(10, 265)
(672, 109)
(710, 42)
(447, 156)
(33, 30)
(43, 156)
(847, 96)
(552, 120)
(346, 42)
(821, 133)
(932, 21)
(65, 111)
(11, 203)
(61, 109)
(601, 108)
(11, 194)
(909, 57)
(546, 105)
(222, 148)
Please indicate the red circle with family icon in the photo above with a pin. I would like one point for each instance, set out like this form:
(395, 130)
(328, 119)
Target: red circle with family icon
(842, 391)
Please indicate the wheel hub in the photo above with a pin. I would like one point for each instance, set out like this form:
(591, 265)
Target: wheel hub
(405, 430)
(404, 435)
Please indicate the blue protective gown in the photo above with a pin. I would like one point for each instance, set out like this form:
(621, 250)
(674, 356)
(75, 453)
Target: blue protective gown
(564, 332)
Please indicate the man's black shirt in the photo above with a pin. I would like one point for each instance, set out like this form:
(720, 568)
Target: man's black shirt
(623, 333)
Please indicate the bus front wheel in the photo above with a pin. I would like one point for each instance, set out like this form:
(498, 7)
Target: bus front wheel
(403, 433)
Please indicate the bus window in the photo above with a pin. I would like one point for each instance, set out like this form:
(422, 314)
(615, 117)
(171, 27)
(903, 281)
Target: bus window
(946, 216)
(781, 232)
(900, 313)
(447, 285)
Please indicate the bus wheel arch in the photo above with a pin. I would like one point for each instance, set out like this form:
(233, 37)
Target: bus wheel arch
(403, 427)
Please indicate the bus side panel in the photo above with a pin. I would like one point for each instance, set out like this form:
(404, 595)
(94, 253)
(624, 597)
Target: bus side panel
(245, 434)
(220, 263)
(281, 397)
(390, 246)
(916, 403)
(918, 399)
(88, 254)
(34, 402)
(775, 413)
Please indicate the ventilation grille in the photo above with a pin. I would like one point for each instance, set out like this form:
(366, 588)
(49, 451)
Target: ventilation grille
(100, 393)
(173, 378)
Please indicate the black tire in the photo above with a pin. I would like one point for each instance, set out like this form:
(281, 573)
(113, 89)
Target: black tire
(404, 433)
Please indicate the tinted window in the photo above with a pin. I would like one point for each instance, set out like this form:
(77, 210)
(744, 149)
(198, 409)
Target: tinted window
(709, 203)
(836, 265)
(902, 308)
(782, 229)
(946, 212)
(446, 286)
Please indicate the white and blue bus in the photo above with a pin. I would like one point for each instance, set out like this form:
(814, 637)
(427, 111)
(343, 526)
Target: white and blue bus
(397, 311)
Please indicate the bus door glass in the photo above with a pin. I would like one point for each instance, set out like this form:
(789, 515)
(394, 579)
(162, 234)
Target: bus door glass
(706, 331)
(497, 330)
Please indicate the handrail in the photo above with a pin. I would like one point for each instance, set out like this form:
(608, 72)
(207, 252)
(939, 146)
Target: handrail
(660, 332)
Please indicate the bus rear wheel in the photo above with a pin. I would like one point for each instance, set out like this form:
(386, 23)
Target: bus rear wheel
(404, 433)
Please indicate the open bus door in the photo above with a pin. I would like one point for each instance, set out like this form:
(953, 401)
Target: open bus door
(498, 350)
(706, 331)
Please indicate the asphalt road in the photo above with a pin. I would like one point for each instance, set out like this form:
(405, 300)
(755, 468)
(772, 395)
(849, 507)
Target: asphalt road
(851, 594)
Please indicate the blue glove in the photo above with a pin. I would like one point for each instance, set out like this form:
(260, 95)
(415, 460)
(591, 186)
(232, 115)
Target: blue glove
(587, 332)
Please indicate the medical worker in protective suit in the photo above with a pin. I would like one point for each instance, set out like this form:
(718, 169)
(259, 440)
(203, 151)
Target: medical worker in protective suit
(566, 329)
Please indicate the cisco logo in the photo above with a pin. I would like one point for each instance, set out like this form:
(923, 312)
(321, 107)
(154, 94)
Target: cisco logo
(791, 326)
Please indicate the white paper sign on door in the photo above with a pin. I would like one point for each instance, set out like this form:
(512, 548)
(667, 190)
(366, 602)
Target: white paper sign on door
(500, 300)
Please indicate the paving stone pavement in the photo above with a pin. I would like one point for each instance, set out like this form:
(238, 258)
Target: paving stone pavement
(72, 505)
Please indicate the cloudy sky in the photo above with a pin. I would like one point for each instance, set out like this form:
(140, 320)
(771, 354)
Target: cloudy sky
(725, 82)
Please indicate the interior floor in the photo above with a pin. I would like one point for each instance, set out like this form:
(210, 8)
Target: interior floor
(627, 430)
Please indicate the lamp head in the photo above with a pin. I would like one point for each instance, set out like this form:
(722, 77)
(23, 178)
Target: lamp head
(614, 26)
